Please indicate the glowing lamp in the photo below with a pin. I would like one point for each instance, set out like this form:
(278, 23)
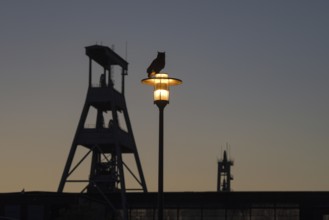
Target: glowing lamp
(161, 83)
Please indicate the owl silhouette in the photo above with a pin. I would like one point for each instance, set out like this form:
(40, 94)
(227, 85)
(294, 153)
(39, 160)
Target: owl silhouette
(157, 64)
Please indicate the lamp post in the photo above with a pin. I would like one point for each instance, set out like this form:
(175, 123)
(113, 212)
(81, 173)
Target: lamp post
(161, 83)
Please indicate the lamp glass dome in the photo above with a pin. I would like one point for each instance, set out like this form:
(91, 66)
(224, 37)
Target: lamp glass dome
(161, 87)
(161, 83)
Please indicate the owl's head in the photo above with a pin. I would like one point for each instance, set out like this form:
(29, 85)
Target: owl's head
(161, 54)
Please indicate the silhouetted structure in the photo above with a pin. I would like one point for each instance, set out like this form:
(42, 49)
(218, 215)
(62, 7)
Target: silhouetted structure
(106, 142)
(224, 174)
(157, 64)
(178, 206)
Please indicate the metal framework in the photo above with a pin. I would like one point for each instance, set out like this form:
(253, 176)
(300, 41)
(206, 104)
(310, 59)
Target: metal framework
(224, 174)
(107, 141)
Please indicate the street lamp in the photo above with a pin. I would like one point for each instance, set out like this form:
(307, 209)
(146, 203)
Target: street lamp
(161, 83)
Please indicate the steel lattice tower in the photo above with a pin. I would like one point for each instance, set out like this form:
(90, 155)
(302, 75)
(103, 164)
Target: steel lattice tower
(224, 174)
(106, 142)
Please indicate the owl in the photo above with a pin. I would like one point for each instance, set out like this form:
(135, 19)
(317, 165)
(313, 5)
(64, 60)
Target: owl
(157, 64)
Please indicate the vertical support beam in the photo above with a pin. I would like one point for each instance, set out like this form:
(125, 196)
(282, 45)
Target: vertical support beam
(94, 161)
(110, 80)
(90, 73)
(120, 164)
(99, 119)
(228, 178)
(122, 182)
(218, 177)
(160, 177)
(137, 160)
(123, 73)
(73, 148)
(161, 105)
(104, 72)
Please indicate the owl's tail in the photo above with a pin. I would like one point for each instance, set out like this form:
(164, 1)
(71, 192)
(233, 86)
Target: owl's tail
(152, 74)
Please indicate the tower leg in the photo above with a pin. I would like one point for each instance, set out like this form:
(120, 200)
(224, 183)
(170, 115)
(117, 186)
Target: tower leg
(120, 166)
(67, 168)
(122, 185)
(92, 174)
(73, 149)
(138, 163)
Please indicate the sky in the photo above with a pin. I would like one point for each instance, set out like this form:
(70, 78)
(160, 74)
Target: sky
(255, 75)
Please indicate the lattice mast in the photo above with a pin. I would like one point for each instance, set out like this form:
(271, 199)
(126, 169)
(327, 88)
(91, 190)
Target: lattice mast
(107, 141)
(224, 174)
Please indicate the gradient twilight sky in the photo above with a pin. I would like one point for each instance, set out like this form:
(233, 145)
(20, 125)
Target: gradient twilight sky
(255, 73)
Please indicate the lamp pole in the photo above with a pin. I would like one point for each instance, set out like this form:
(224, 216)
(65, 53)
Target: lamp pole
(161, 105)
(161, 83)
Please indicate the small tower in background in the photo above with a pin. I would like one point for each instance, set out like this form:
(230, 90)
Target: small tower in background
(224, 174)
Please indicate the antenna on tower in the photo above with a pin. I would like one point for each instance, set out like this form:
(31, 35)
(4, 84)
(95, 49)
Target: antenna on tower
(228, 149)
(221, 151)
(126, 55)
